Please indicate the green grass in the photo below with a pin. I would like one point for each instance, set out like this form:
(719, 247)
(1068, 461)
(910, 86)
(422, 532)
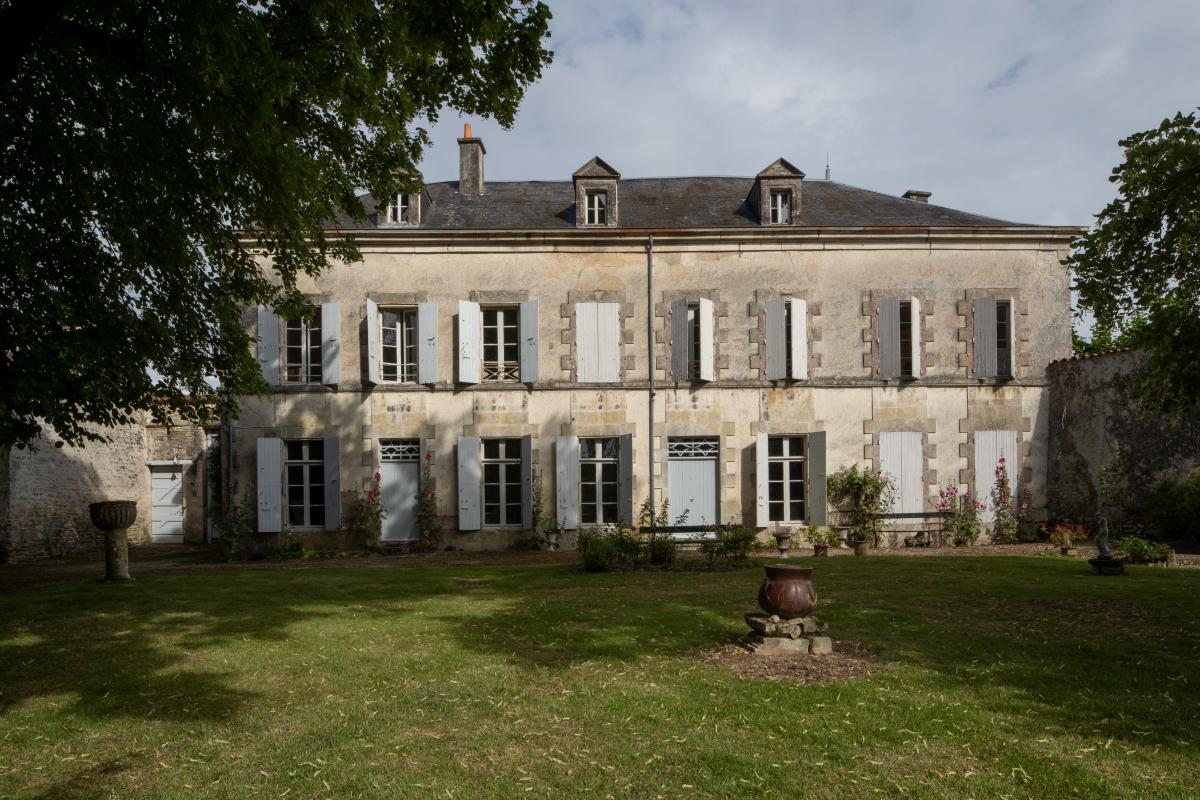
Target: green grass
(1000, 677)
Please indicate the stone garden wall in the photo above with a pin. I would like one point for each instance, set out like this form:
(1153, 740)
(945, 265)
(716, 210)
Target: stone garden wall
(1093, 412)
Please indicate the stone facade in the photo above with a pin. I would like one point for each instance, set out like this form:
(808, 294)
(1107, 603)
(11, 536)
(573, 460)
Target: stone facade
(1093, 412)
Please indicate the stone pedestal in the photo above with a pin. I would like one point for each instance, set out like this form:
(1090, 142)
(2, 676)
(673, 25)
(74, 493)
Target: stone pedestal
(772, 636)
(114, 518)
(1108, 566)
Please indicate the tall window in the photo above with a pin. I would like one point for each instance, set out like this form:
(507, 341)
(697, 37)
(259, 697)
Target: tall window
(785, 478)
(598, 480)
(1004, 338)
(398, 211)
(693, 312)
(781, 206)
(502, 482)
(906, 339)
(305, 470)
(501, 347)
(787, 338)
(302, 351)
(398, 360)
(597, 207)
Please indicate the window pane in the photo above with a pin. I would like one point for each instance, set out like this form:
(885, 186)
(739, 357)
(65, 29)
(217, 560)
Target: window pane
(316, 495)
(491, 448)
(775, 446)
(775, 491)
(316, 449)
(775, 470)
(775, 511)
(295, 451)
(296, 515)
(316, 515)
(797, 510)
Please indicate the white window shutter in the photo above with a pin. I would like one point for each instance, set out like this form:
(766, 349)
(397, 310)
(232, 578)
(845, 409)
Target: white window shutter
(566, 481)
(916, 337)
(427, 342)
(269, 470)
(799, 334)
(469, 343)
(333, 483)
(776, 340)
(528, 331)
(761, 481)
(470, 485)
(708, 325)
(818, 480)
(990, 446)
(587, 337)
(268, 345)
(889, 338)
(527, 482)
(331, 344)
(626, 479)
(985, 338)
(901, 457)
(372, 341)
(680, 338)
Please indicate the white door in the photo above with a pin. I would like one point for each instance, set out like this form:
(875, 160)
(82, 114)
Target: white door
(399, 485)
(692, 480)
(901, 459)
(166, 512)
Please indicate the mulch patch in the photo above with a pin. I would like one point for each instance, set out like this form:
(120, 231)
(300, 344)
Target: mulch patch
(847, 662)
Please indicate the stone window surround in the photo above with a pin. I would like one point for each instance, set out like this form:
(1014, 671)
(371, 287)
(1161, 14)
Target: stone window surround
(612, 204)
(764, 186)
(727, 468)
(925, 427)
(566, 311)
(870, 311)
(966, 450)
(1022, 358)
(415, 201)
(749, 478)
(663, 333)
(757, 311)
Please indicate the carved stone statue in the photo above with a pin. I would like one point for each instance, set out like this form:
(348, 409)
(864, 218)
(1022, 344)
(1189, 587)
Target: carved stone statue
(1105, 553)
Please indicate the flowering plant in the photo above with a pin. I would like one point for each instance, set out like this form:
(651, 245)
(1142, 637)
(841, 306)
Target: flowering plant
(1064, 533)
(364, 522)
(427, 508)
(964, 508)
(1010, 513)
(860, 493)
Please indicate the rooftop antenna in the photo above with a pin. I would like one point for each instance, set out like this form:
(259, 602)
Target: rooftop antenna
(827, 165)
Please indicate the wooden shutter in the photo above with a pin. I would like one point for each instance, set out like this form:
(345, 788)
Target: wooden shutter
(268, 345)
(333, 483)
(372, 341)
(528, 331)
(799, 335)
(587, 368)
(427, 342)
(566, 481)
(680, 334)
(608, 342)
(527, 482)
(901, 457)
(776, 344)
(985, 337)
(269, 468)
(331, 344)
(625, 470)
(470, 484)
(708, 333)
(469, 346)
(889, 338)
(818, 485)
(990, 446)
(915, 304)
(761, 483)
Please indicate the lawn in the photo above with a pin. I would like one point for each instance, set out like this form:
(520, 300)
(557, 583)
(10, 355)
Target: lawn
(997, 677)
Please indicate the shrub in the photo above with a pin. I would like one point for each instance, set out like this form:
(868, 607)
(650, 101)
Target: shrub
(1173, 508)
(597, 549)
(858, 493)
(822, 536)
(1140, 551)
(963, 524)
(428, 518)
(1064, 533)
(536, 535)
(661, 550)
(364, 521)
(1010, 513)
(236, 521)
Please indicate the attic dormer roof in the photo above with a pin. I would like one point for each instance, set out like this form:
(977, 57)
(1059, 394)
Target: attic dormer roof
(596, 168)
(780, 168)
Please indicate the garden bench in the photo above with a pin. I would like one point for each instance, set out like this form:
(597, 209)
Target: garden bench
(923, 537)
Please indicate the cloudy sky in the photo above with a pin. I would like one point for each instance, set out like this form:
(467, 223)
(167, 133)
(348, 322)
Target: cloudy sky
(1011, 108)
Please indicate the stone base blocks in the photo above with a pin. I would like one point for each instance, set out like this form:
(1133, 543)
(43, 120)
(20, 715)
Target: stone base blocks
(770, 636)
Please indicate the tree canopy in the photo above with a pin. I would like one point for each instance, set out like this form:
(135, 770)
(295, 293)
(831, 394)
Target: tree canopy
(1138, 269)
(137, 139)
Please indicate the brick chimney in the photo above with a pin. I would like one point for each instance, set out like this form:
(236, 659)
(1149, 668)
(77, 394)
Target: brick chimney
(918, 195)
(470, 163)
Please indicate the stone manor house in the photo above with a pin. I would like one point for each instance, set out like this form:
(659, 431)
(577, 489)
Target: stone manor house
(501, 331)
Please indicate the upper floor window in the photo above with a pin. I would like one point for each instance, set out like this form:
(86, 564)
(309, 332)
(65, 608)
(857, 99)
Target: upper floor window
(501, 482)
(693, 345)
(597, 207)
(399, 209)
(1004, 339)
(501, 345)
(786, 461)
(599, 480)
(302, 351)
(398, 342)
(304, 469)
(906, 340)
(781, 206)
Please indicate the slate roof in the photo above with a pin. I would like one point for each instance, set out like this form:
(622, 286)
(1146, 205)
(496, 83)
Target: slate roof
(666, 203)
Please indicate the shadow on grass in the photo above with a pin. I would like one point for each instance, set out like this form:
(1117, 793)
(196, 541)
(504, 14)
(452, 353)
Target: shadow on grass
(1037, 638)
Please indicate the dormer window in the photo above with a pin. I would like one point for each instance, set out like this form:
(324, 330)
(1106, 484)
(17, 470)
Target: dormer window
(398, 211)
(781, 206)
(597, 207)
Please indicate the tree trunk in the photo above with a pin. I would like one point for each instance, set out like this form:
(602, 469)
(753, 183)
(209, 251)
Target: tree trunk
(116, 555)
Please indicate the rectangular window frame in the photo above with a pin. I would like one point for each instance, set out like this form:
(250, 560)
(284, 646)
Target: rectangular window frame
(500, 469)
(787, 453)
(596, 201)
(302, 361)
(781, 206)
(1004, 339)
(502, 323)
(907, 364)
(399, 361)
(600, 470)
(693, 327)
(398, 212)
(304, 483)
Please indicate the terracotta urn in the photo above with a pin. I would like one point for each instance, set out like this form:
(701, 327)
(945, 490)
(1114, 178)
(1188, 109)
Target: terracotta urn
(787, 591)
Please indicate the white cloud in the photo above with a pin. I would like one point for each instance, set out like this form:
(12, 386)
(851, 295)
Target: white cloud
(1011, 109)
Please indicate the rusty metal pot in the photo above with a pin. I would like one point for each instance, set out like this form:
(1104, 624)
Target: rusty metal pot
(787, 591)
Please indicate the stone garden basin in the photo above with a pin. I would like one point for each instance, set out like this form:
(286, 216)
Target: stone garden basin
(111, 515)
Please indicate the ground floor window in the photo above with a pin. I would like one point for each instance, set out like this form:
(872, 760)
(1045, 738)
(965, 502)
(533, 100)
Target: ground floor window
(502, 482)
(304, 466)
(785, 478)
(599, 480)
